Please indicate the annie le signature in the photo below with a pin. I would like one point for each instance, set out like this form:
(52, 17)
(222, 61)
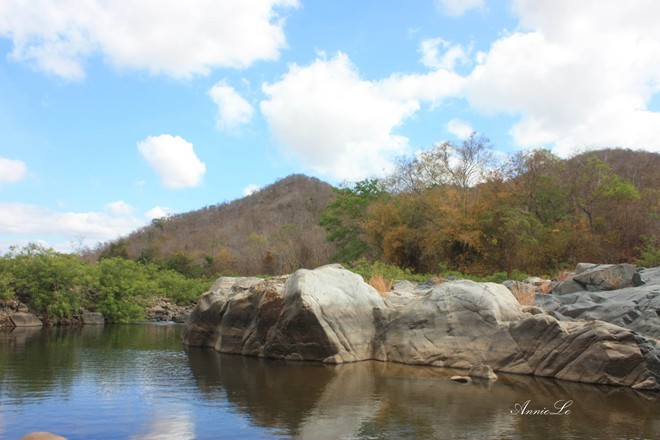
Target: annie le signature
(560, 408)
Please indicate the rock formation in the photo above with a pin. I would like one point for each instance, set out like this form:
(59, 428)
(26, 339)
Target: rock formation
(591, 297)
(330, 315)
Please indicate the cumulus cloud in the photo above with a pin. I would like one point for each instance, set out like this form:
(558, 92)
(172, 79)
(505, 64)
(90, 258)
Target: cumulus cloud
(12, 170)
(341, 125)
(458, 7)
(578, 74)
(179, 39)
(115, 220)
(158, 212)
(442, 54)
(250, 189)
(174, 159)
(233, 109)
(460, 129)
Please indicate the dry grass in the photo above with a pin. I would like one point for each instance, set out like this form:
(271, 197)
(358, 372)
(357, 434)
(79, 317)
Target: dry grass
(382, 285)
(563, 276)
(615, 281)
(546, 287)
(524, 294)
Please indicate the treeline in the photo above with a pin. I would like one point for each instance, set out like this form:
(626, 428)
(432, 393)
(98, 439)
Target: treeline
(60, 286)
(273, 231)
(458, 208)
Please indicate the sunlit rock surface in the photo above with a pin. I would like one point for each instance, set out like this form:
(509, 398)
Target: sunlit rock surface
(331, 315)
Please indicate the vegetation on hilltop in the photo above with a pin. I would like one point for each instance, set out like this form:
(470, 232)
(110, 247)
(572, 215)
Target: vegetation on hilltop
(454, 208)
(273, 231)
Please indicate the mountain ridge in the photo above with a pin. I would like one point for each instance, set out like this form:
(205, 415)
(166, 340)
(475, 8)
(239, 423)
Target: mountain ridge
(273, 230)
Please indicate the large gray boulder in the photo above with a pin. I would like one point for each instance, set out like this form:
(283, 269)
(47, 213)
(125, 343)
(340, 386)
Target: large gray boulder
(635, 308)
(452, 326)
(25, 319)
(332, 315)
(328, 314)
(605, 276)
(322, 315)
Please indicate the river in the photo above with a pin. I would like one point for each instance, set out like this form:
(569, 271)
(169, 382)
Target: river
(138, 382)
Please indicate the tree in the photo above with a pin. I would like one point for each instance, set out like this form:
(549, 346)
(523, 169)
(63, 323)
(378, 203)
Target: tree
(344, 218)
(536, 182)
(462, 166)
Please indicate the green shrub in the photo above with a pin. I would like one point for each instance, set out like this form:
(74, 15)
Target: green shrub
(182, 290)
(369, 269)
(60, 285)
(649, 252)
(49, 282)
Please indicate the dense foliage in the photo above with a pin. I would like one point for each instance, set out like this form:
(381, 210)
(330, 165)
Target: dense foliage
(455, 208)
(58, 286)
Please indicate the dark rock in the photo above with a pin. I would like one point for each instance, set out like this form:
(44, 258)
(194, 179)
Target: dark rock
(606, 276)
(461, 379)
(568, 286)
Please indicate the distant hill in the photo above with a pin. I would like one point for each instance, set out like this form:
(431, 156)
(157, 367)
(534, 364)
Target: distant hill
(272, 231)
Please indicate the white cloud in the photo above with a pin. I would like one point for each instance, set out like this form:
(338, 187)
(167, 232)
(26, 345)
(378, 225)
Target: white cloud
(578, 74)
(12, 170)
(458, 7)
(115, 220)
(158, 212)
(233, 109)
(341, 125)
(460, 129)
(119, 208)
(250, 189)
(451, 55)
(170, 37)
(174, 160)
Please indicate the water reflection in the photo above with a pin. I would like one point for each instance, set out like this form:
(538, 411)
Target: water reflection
(137, 382)
(378, 400)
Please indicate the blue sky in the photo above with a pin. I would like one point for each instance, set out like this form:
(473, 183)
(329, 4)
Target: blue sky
(115, 112)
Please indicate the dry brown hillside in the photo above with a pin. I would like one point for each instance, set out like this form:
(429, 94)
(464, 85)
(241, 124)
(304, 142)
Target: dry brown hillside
(274, 230)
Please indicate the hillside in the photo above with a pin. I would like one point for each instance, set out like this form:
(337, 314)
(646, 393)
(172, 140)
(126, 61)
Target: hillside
(274, 230)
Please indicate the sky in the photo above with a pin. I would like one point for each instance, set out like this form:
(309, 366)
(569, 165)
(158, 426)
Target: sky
(117, 112)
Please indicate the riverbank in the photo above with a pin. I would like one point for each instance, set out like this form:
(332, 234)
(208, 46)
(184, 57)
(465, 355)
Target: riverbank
(14, 313)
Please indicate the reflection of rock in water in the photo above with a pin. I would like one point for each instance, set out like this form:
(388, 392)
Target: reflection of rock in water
(17, 337)
(273, 393)
(375, 399)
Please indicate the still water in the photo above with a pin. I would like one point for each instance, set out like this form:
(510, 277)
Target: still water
(138, 382)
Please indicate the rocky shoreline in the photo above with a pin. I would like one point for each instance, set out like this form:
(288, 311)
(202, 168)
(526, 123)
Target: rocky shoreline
(16, 314)
(331, 315)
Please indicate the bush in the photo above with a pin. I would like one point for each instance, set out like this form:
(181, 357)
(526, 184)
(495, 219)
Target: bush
(123, 289)
(649, 253)
(57, 285)
(181, 289)
(388, 271)
(50, 283)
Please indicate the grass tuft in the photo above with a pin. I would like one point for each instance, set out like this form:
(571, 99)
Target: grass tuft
(525, 295)
(381, 284)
